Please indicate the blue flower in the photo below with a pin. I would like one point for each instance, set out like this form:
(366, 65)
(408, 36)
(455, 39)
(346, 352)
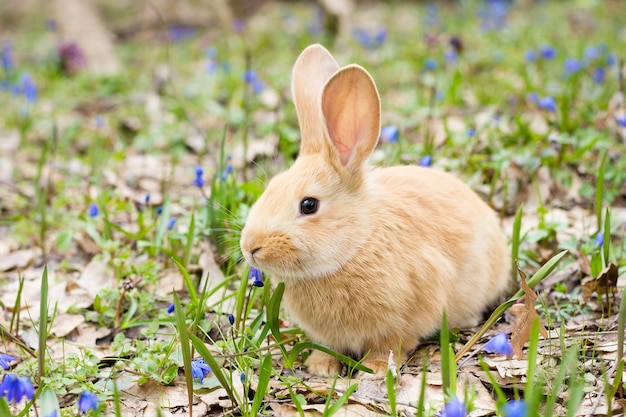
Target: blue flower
(547, 103)
(599, 240)
(146, 199)
(87, 401)
(514, 408)
(547, 51)
(171, 223)
(5, 359)
(28, 88)
(159, 210)
(93, 210)
(171, 308)
(572, 65)
(531, 55)
(238, 25)
(598, 75)
(493, 15)
(199, 369)
(471, 132)
(432, 14)
(610, 59)
(179, 33)
(430, 64)
(99, 121)
(499, 344)
(621, 120)
(426, 161)
(6, 56)
(231, 319)
(370, 40)
(251, 77)
(454, 408)
(242, 377)
(592, 53)
(389, 133)
(14, 388)
(255, 275)
(451, 55)
(198, 181)
(533, 97)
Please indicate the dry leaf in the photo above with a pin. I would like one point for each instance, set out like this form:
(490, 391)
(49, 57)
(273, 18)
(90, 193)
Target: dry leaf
(525, 314)
(605, 283)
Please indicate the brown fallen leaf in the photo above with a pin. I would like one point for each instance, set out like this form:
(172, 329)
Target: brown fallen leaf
(525, 314)
(604, 284)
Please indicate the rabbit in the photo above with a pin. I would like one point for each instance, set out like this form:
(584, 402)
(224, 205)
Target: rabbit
(370, 257)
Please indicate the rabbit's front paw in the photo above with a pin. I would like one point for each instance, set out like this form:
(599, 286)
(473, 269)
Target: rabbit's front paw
(377, 365)
(322, 364)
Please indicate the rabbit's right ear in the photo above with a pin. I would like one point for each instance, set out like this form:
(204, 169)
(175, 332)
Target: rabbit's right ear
(312, 69)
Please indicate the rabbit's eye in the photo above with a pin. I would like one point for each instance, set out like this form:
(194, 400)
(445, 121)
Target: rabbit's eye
(309, 205)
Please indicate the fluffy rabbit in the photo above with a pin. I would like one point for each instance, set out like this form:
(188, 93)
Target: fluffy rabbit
(370, 257)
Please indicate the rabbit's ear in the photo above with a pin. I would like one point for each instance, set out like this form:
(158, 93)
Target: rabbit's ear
(351, 109)
(312, 69)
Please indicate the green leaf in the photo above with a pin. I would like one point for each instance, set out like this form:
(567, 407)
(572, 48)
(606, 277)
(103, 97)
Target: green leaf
(184, 345)
(264, 378)
(299, 347)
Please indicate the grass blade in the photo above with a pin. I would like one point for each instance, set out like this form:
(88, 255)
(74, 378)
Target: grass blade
(210, 360)
(264, 379)
(184, 346)
(299, 347)
(43, 323)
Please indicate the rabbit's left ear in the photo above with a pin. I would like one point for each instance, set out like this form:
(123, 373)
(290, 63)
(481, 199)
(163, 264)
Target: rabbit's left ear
(351, 109)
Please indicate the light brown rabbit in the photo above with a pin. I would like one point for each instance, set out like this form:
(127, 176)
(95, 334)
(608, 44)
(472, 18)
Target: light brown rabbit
(370, 257)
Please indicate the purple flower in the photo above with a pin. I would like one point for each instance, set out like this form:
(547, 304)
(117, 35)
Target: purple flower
(199, 369)
(592, 53)
(514, 408)
(370, 40)
(547, 103)
(389, 133)
(5, 359)
(430, 64)
(533, 97)
(6, 56)
(547, 51)
(93, 210)
(99, 121)
(231, 319)
(493, 14)
(255, 275)
(499, 344)
(598, 75)
(14, 388)
(238, 25)
(531, 55)
(251, 77)
(72, 56)
(610, 59)
(87, 401)
(471, 132)
(28, 88)
(599, 240)
(572, 65)
(171, 223)
(198, 181)
(426, 161)
(454, 408)
(621, 120)
(171, 308)
(451, 55)
(179, 33)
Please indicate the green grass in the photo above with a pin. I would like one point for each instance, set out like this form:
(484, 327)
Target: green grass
(92, 139)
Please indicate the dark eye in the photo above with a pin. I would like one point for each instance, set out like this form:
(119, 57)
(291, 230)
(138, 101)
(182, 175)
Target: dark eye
(309, 205)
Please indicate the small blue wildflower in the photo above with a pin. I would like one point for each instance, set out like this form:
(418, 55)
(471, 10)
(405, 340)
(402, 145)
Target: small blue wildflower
(430, 64)
(255, 275)
(93, 210)
(171, 223)
(87, 401)
(592, 53)
(514, 408)
(389, 133)
(4, 360)
(231, 319)
(159, 210)
(493, 14)
(178, 33)
(228, 169)
(28, 88)
(621, 120)
(171, 308)
(251, 77)
(6, 56)
(471, 132)
(611, 59)
(451, 55)
(454, 408)
(572, 65)
(370, 40)
(99, 121)
(533, 97)
(547, 52)
(238, 25)
(14, 388)
(426, 161)
(599, 240)
(499, 344)
(531, 55)
(146, 199)
(432, 14)
(598, 75)
(547, 103)
(242, 377)
(199, 369)
(211, 66)
(198, 181)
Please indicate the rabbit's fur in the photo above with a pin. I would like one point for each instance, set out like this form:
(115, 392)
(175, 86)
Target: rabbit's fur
(388, 249)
